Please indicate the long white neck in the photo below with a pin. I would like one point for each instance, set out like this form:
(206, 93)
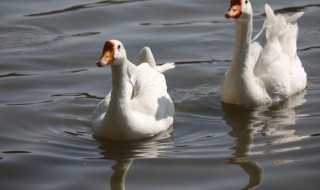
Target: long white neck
(121, 87)
(119, 109)
(241, 49)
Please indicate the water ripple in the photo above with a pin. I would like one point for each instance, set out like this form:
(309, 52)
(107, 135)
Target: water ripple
(295, 9)
(21, 35)
(13, 75)
(80, 95)
(309, 48)
(30, 103)
(82, 6)
(187, 22)
(203, 61)
(16, 152)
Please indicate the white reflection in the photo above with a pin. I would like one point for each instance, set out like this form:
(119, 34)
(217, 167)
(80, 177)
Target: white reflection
(269, 124)
(121, 168)
(124, 154)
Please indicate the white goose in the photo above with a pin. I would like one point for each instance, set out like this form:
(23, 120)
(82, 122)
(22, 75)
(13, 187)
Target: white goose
(138, 106)
(266, 70)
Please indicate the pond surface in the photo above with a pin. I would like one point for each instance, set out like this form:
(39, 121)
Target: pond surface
(50, 86)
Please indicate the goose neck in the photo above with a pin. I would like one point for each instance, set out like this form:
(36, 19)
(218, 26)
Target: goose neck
(121, 81)
(242, 45)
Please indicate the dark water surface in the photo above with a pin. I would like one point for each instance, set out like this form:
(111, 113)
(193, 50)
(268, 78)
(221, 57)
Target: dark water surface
(50, 86)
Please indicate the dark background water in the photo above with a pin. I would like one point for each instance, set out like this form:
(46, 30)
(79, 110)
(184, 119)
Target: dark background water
(50, 85)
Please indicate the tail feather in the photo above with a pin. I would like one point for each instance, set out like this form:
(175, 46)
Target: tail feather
(146, 56)
(284, 28)
(293, 19)
(165, 67)
(271, 17)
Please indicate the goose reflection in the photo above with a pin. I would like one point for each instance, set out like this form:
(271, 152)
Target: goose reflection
(269, 122)
(124, 153)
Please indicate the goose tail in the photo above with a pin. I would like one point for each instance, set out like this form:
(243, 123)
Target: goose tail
(146, 56)
(165, 67)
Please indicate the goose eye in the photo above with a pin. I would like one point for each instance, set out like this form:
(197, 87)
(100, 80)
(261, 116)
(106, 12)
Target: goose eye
(119, 47)
(246, 2)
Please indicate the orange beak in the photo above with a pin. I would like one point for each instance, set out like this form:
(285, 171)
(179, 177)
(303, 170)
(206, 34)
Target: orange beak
(235, 9)
(107, 54)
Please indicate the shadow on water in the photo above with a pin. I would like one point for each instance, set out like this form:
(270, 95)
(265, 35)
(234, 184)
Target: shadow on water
(124, 153)
(271, 122)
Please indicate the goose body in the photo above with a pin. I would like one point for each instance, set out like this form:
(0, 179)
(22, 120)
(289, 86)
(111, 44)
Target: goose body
(138, 106)
(266, 70)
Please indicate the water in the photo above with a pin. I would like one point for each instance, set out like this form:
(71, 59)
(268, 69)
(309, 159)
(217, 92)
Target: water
(50, 86)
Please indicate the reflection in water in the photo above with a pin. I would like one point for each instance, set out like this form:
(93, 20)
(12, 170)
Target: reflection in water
(124, 154)
(246, 122)
(241, 120)
(121, 168)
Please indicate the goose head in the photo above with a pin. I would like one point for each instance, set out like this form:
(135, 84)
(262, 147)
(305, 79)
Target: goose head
(240, 10)
(113, 53)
